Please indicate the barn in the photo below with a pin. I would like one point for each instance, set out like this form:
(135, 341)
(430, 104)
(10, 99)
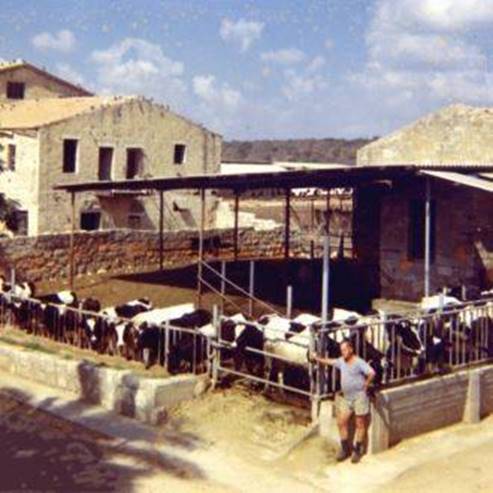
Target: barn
(391, 227)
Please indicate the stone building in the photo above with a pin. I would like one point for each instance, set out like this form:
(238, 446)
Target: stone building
(59, 140)
(22, 80)
(389, 218)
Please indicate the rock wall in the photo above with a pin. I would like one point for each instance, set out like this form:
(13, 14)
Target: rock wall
(46, 257)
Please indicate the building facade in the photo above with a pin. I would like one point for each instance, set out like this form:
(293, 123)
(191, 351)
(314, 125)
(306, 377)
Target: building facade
(51, 141)
(389, 221)
(21, 80)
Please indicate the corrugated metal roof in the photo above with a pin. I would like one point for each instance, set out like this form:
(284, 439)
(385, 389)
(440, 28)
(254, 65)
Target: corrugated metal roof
(476, 181)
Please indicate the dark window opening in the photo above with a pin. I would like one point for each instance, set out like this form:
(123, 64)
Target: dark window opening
(11, 157)
(134, 221)
(105, 163)
(179, 154)
(90, 221)
(416, 235)
(15, 90)
(135, 163)
(69, 155)
(21, 222)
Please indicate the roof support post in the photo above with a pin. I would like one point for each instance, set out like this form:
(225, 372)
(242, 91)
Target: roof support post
(201, 248)
(287, 223)
(427, 259)
(72, 242)
(326, 264)
(236, 215)
(161, 232)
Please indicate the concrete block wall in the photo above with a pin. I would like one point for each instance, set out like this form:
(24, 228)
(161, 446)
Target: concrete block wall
(46, 257)
(420, 407)
(139, 397)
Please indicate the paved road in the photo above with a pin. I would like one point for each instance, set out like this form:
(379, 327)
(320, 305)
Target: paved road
(39, 452)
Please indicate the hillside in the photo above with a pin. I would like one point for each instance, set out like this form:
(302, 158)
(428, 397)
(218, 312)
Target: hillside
(316, 150)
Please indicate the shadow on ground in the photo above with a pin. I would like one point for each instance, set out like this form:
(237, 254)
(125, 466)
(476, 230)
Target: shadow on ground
(42, 452)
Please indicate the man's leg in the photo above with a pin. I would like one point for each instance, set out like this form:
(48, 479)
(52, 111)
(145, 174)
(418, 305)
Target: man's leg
(344, 413)
(362, 409)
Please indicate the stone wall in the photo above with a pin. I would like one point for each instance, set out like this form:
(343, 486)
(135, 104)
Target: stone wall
(46, 257)
(464, 240)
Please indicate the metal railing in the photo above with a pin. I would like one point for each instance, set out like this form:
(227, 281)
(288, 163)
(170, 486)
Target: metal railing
(175, 348)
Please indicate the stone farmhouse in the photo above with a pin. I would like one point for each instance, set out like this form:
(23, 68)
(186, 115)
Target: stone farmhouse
(389, 220)
(52, 132)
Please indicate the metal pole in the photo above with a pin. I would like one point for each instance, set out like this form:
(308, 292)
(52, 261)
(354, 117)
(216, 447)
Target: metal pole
(161, 228)
(236, 214)
(72, 244)
(287, 225)
(427, 237)
(223, 284)
(251, 288)
(289, 301)
(325, 280)
(201, 248)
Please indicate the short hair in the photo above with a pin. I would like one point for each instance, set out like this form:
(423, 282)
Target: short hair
(349, 342)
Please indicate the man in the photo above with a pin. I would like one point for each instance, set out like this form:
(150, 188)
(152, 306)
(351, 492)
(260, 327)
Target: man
(356, 376)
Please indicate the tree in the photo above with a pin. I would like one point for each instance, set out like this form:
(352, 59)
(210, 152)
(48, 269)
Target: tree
(8, 208)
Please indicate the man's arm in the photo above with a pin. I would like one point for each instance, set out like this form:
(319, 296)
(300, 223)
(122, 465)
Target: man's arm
(369, 377)
(323, 361)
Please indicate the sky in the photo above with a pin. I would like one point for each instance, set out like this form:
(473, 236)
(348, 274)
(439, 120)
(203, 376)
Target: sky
(253, 69)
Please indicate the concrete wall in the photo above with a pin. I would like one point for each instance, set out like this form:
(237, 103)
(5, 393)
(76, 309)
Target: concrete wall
(46, 257)
(417, 408)
(136, 123)
(122, 391)
(456, 134)
(37, 86)
(464, 238)
(22, 184)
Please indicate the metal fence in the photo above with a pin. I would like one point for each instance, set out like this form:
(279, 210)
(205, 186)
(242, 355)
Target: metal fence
(177, 349)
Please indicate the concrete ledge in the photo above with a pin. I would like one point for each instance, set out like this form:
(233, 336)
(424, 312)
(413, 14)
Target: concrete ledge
(145, 399)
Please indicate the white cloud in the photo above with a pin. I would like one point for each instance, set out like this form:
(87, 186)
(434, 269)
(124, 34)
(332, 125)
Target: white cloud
(418, 54)
(136, 66)
(67, 72)
(299, 84)
(221, 96)
(287, 56)
(62, 41)
(242, 32)
(316, 64)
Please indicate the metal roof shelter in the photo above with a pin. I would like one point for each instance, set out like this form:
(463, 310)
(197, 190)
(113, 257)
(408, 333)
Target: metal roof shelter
(332, 177)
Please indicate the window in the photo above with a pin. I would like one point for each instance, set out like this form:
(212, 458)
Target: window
(105, 163)
(134, 220)
(21, 222)
(70, 155)
(180, 153)
(135, 163)
(416, 236)
(90, 220)
(15, 90)
(11, 157)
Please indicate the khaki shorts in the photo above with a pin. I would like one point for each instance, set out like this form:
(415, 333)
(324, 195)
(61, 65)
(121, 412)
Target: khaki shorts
(359, 405)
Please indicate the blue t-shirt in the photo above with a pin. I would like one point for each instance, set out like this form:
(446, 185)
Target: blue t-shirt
(353, 375)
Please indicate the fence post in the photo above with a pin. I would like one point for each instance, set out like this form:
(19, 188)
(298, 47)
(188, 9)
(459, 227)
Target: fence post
(314, 380)
(251, 288)
(166, 344)
(289, 302)
(216, 354)
(223, 284)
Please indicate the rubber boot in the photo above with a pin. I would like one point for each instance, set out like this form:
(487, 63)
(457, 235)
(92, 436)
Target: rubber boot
(357, 452)
(344, 451)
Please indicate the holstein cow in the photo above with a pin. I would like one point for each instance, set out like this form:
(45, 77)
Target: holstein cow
(16, 299)
(147, 337)
(120, 336)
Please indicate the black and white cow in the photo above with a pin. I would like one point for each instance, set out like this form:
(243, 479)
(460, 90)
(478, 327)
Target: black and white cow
(55, 312)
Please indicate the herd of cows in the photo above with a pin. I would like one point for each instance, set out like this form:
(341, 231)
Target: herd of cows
(273, 348)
